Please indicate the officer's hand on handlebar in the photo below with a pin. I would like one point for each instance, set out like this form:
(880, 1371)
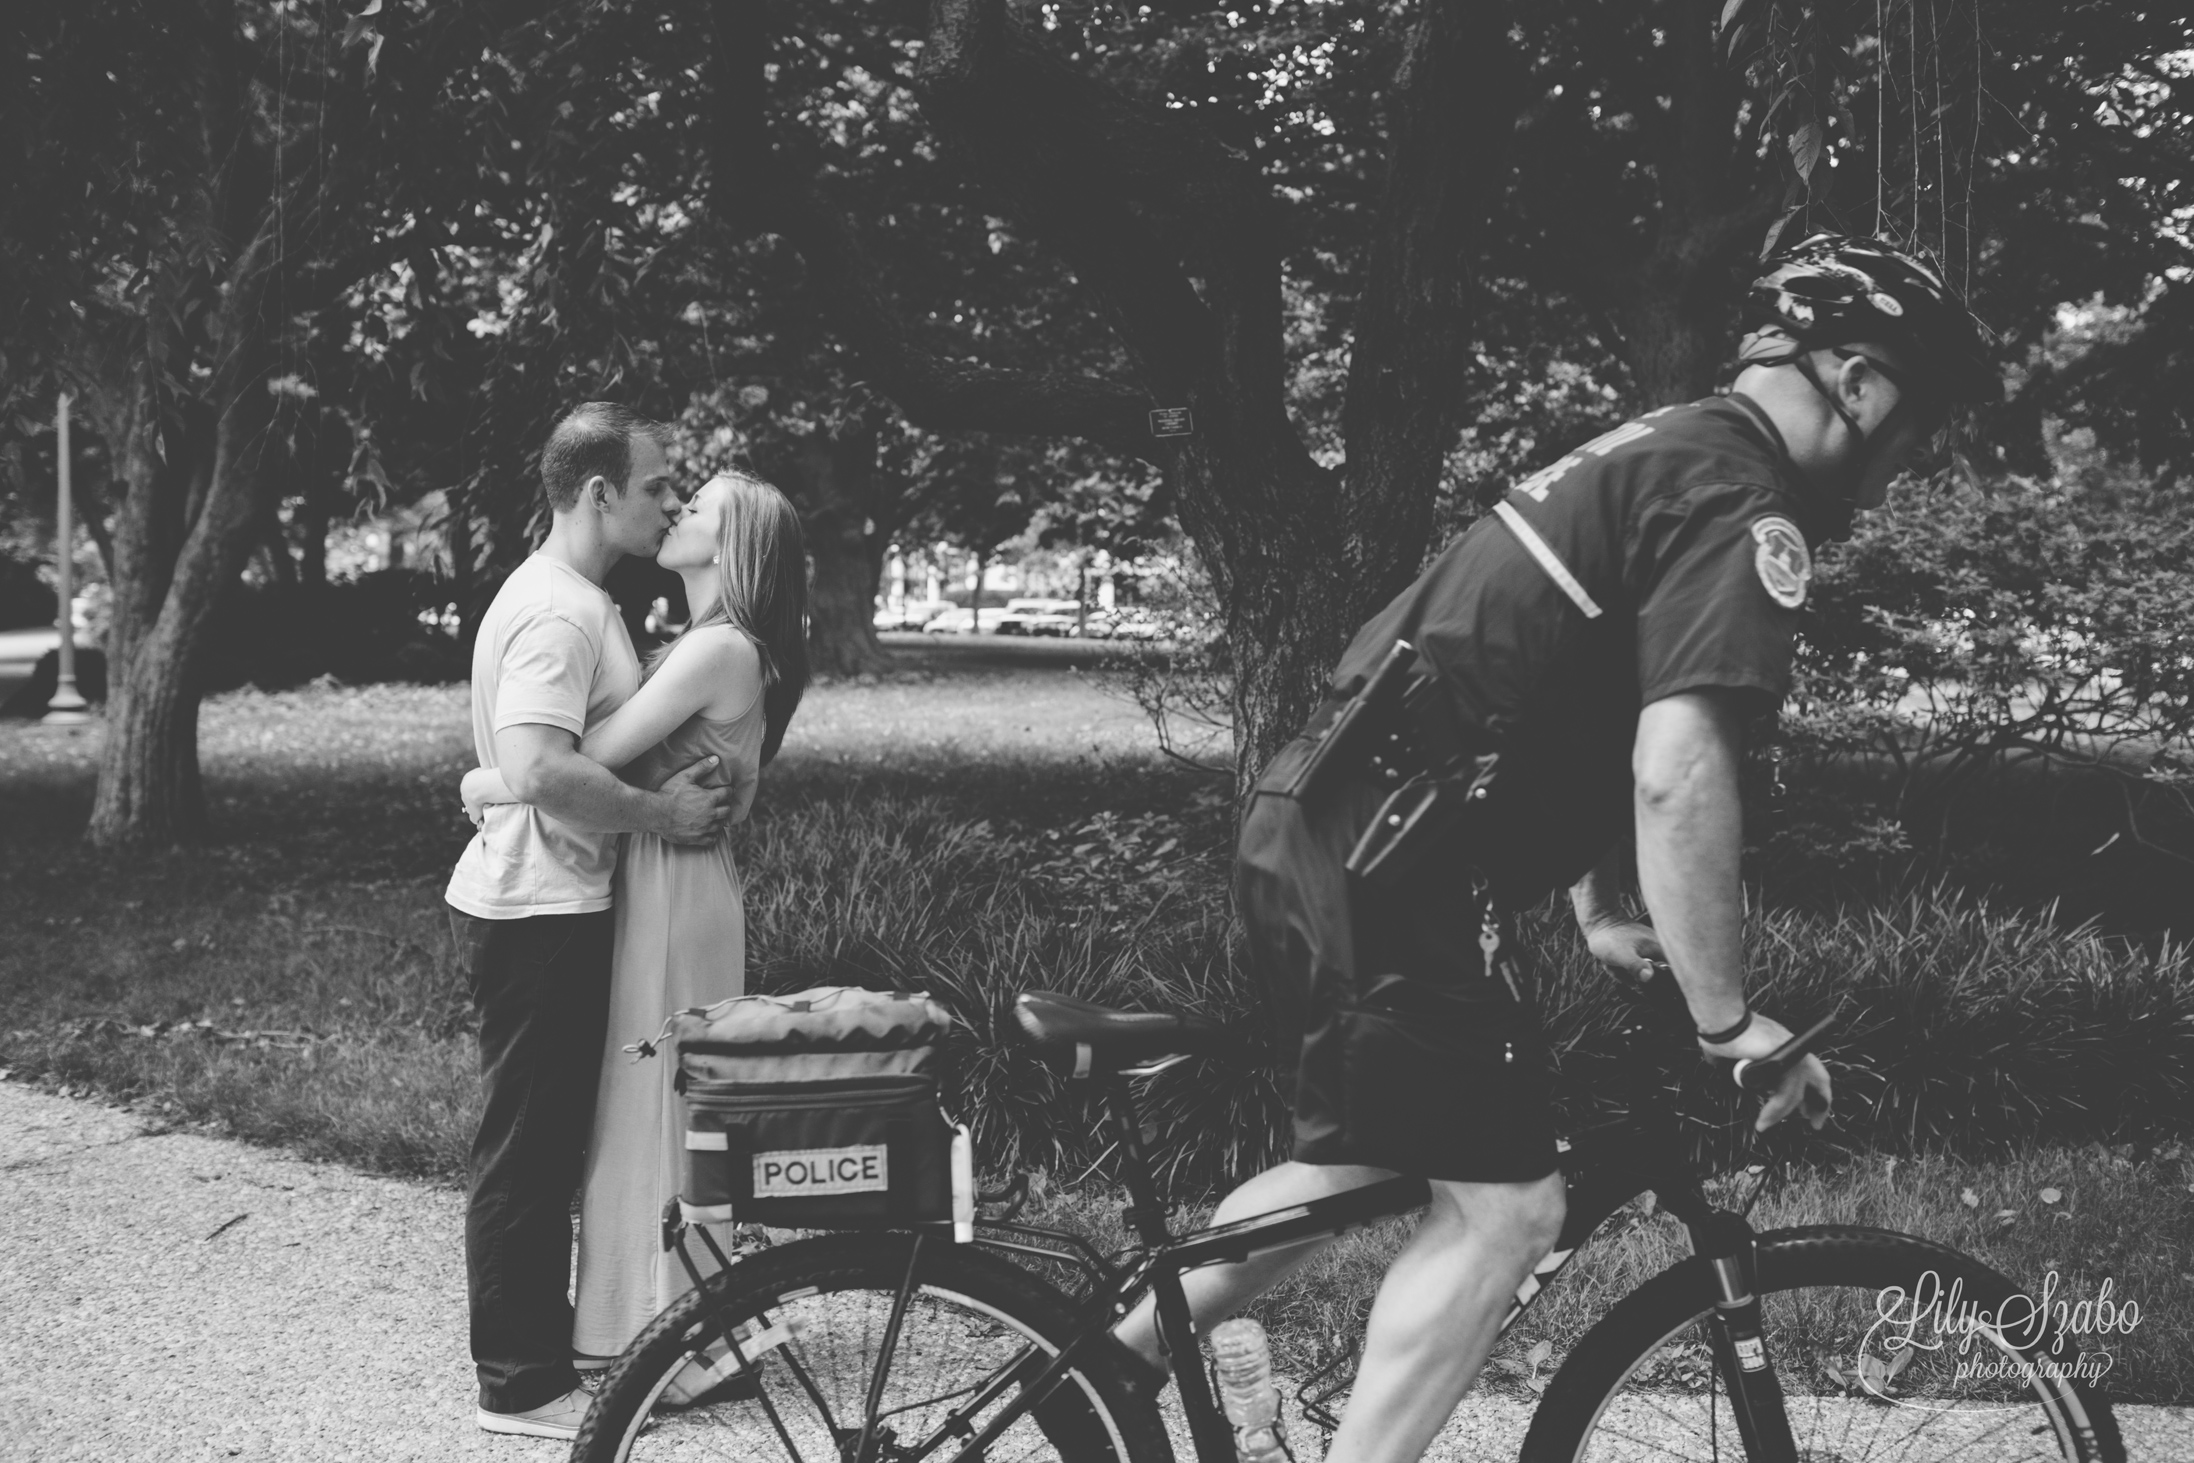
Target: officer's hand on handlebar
(1806, 1083)
(1625, 946)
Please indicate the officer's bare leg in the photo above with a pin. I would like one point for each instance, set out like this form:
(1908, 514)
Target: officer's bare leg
(1437, 1311)
(1218, 1291)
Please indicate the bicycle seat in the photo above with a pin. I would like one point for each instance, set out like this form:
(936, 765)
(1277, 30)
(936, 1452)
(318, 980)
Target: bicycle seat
(1114, 1037)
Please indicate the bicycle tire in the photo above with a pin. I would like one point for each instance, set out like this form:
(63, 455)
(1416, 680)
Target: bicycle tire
(1624, 1391)
(818, 1308)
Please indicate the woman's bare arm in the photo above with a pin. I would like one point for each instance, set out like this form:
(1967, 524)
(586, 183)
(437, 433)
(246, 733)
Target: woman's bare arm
(716, 672)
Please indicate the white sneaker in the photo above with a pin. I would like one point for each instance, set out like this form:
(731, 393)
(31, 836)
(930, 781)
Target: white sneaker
(558, 1419)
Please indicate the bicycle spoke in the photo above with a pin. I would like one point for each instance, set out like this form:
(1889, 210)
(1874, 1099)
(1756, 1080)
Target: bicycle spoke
(807, 1383)
(1671, 1408)
(810, 1395)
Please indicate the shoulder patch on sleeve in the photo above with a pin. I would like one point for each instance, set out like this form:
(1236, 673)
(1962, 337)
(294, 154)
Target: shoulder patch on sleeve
(1781, 559)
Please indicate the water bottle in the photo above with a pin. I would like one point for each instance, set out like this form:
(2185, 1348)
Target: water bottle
(963, 1184)
(1246, 1391)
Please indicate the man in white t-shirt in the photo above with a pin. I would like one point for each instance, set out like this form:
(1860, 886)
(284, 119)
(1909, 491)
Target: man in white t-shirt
(530, 902)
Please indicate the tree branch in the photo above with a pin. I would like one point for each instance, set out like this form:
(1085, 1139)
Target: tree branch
(1451, 111)
(326, 279)
(755, 189)
(1136, 198)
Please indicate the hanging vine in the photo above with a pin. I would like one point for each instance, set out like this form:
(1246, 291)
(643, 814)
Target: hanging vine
(1918, 66)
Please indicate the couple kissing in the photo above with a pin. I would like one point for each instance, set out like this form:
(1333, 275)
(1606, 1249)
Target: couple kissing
(598, 893)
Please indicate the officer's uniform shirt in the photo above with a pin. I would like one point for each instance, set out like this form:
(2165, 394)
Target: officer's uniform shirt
(1683, 530)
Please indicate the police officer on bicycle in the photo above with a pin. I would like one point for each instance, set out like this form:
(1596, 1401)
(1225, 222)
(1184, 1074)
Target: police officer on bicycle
(1587, 653)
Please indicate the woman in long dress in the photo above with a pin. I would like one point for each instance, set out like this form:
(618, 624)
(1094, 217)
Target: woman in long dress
(725, 688)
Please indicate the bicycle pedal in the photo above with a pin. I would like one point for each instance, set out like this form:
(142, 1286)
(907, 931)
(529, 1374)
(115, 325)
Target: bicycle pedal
(744, 1387)
(739, 1386)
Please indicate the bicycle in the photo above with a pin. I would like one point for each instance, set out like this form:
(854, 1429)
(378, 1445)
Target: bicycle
(890, 1346)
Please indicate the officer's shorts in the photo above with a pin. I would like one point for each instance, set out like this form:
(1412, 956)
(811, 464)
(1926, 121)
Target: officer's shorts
(1411, 1057)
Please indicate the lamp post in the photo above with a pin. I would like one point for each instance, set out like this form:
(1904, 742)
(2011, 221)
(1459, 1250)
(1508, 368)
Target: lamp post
(67, 708)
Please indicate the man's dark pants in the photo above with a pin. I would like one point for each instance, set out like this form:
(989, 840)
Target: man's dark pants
(541, 988)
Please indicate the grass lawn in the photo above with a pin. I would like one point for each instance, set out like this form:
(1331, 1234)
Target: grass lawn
(979, 829)
(293, 980)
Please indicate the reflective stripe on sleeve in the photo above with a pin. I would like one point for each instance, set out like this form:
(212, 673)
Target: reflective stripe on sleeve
(1548, 560)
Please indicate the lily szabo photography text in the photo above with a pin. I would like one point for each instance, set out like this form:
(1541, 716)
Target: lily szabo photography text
(1053, 731)
(2051, 1333)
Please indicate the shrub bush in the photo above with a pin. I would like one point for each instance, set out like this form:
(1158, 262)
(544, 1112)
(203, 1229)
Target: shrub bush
(896, 892)
(1992, 686)
(362, 630)
(1966, 1023)
(1965, 630)
(30, 698)
(26, 601)
(1962, 1025)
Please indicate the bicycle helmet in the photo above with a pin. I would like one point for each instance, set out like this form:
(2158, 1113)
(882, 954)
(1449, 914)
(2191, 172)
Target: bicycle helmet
(1841, 289)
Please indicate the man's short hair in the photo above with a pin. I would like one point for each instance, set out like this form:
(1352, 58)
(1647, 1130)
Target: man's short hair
(593, 440)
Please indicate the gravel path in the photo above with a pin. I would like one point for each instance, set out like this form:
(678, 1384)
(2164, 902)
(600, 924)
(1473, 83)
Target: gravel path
(172, 1297)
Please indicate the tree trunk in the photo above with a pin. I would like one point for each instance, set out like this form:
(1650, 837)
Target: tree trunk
(324, 465)
(92, 506)
(1290, 600)
(1676, 329)
(1173, 228)
(149, 786)
(1674, 304)
(273, 548)
(1176, 229)
(150, 791)
(457, 531)
(148, 768)
(184, 533)
(839, 492)
(312, 562)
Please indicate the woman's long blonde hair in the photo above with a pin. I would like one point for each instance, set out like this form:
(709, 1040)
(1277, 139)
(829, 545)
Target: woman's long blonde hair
(761, 591)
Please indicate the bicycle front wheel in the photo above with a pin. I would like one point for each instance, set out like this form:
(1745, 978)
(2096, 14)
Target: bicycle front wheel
(1888, 1348)
(812, 1319)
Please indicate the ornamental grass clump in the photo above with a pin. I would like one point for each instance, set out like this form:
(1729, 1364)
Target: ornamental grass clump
(1958, 1024)
(1963, 1025)
(894, 891)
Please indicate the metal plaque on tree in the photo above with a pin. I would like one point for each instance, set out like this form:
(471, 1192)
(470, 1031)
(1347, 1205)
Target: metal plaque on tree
(1170, 421)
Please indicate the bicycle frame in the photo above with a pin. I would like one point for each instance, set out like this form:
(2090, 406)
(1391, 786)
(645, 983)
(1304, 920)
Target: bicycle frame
(1605, 1167)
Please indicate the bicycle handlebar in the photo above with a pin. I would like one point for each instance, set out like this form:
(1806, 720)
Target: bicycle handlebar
(1751, 1074)
(1765, 1074)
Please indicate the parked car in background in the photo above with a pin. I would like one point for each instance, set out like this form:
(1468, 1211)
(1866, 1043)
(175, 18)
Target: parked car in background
(1126, 622)
(1040, 617)
(913, 615)
(1056, 622)
(960, 621)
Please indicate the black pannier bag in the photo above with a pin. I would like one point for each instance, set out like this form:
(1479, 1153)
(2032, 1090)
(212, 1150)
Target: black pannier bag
(817, 1109)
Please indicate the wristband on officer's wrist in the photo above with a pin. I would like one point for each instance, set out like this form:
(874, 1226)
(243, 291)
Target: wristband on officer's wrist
(1729, 1033)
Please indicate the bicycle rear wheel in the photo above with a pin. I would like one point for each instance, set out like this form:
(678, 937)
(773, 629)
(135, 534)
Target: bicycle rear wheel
(1642, 1383)
(812, 1317)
